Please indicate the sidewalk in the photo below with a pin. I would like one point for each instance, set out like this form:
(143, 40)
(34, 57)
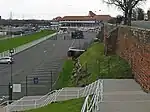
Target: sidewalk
(124, 95)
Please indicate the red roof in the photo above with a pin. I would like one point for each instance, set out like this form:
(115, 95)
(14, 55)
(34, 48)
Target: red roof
(92, 16)
(87, 18)
(79, 18)
(91, 13)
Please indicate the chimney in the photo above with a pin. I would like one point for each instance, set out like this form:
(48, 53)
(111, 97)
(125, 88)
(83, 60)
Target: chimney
(91, 14)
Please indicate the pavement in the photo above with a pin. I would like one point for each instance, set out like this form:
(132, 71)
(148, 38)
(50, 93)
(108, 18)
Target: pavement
(39, 62)
(124, 95)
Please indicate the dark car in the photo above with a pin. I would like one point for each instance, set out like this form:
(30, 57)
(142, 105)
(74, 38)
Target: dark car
(77, 35)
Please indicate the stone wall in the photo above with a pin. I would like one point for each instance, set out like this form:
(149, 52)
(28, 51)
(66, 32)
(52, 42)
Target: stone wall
(133, 44)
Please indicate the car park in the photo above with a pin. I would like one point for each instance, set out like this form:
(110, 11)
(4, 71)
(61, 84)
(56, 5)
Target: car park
(6, 60)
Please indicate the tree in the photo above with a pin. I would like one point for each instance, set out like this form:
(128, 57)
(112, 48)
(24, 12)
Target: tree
(148, 14)
(140, 13)
(126, 6)
(134, 14)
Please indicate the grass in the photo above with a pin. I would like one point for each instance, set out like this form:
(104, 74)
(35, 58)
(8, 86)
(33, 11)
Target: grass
(74, 105)
(65, 74)
(7, 44)
(100, 66)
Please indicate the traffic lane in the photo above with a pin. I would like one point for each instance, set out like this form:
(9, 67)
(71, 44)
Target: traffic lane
(85, 42)
(49, 53)
(59, 54)
(25, 60)
(21, 75)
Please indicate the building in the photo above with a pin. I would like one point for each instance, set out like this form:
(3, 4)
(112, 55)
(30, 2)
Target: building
(90, 21)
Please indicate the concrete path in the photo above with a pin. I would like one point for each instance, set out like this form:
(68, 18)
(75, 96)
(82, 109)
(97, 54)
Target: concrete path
(124, 96)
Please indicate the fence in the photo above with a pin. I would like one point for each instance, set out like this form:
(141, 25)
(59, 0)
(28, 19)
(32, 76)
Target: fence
(93, 104)
(56, 95)
(26, 46)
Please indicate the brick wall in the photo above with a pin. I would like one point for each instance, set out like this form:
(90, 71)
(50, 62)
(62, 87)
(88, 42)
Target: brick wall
(133, 44)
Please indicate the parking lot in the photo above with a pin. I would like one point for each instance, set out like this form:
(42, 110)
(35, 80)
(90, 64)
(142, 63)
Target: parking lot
(41, 62)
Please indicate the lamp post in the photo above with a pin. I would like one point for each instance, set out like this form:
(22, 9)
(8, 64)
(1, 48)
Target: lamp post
(11, 51)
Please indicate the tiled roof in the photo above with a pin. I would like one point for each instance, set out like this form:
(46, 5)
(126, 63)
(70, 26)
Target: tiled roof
(80, 18)
(86, 18)
(103, 17)
(91, 17)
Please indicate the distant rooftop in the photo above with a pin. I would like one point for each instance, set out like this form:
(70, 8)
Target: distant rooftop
(91, 16)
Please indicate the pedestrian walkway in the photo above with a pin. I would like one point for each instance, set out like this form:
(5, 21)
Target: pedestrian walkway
(124, 95)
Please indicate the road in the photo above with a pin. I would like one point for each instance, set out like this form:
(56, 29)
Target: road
(141, 24)
(38, 62)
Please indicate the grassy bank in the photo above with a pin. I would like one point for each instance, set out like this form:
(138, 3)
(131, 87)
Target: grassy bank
(74, 105)
(65, 74)
(7, 44)
(99, 66)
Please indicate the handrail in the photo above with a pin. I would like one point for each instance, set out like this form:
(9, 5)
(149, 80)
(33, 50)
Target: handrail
(96, 98)
(85, 103)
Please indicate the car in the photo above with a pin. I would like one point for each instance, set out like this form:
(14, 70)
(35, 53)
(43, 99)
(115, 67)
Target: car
(6, 60)
(77, 35)
(75, 52)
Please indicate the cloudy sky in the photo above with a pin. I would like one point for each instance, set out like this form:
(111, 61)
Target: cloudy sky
(48, 9)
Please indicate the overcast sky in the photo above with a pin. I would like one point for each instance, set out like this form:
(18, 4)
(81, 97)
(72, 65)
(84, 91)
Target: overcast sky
(48, 9)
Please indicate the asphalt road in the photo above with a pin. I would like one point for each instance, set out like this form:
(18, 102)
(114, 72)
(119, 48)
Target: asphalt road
(39, 62)
(141, 24)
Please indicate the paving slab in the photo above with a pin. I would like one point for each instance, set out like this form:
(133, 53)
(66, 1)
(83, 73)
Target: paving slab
(124, 95)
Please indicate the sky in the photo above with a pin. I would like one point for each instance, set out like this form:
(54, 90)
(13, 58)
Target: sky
(48, 9)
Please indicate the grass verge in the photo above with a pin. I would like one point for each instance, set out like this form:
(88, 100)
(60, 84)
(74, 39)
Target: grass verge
(74, 105)
(65, 74)
(7, 44)
(97, 65)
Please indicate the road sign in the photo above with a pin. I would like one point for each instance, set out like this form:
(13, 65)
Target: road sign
(36, 80)
(16, 88)
(11, 51)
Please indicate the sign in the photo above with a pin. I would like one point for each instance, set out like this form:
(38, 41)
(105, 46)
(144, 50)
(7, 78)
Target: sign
(11, 50)
(36, 80)
(16, 88)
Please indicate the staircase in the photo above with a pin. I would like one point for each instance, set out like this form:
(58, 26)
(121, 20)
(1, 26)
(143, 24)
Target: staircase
(31, 102)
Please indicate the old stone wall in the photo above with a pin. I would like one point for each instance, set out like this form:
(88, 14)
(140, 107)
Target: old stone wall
(133, 44)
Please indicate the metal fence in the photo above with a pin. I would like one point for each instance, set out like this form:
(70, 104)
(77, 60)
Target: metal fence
(92, 104)
(96, 88)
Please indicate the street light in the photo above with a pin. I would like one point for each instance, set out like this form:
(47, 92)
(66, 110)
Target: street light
(11, 51)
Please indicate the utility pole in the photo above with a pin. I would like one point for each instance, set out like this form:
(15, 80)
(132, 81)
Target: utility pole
(10, 51)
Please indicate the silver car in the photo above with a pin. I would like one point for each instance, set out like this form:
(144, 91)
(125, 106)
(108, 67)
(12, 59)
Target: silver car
(6, 60)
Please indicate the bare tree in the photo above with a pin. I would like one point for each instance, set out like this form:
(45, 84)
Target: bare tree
(134, 14)
(126, 6)
(140, 13)
(148, 14)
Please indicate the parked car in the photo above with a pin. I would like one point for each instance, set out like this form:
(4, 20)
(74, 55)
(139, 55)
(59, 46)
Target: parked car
(6, 60)
(77, 35)
(75, 52)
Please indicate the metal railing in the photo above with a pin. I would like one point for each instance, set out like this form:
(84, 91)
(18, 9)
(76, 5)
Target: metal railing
(93, 104)
(57, 95)
(26, 46)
